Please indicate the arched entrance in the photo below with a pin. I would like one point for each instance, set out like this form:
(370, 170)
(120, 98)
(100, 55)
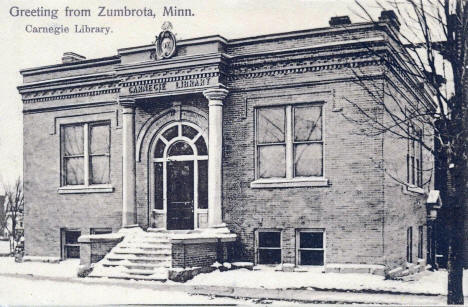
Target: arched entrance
(179, 167)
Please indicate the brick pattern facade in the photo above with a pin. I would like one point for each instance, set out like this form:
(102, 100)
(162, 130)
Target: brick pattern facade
(199, 254)
(46, 211)
(364, 212)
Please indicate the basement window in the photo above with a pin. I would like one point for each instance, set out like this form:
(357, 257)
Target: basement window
(70, 246)
(310, 244)
(268, 246)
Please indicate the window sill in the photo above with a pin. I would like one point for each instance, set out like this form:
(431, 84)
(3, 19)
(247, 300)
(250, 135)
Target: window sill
(415, 189)
(289, 183)
(79, 189)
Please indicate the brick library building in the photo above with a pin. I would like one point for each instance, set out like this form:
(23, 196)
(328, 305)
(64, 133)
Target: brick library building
(181, 153)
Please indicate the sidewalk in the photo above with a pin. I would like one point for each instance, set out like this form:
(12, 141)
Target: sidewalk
(308, 287)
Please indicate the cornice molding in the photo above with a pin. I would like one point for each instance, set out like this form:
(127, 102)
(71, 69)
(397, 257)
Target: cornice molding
(293, 67)
(400, 70)
(70, 92)
(170, 75)
(67, 82)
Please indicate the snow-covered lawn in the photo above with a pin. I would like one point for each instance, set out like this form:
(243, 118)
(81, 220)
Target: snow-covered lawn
(21, 291)
(67, 268)
(426, 282)
(4, 247)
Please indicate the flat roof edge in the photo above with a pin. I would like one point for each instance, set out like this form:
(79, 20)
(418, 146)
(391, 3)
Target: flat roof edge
(182, 42)
(74, 65)
(115, 59)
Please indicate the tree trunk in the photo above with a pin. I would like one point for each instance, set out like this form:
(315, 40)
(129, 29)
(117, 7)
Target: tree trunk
(13, 232)
(456, 237)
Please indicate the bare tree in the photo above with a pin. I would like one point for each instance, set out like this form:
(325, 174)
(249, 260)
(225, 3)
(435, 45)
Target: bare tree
(14, 210)
(428, 44)
(3, 216)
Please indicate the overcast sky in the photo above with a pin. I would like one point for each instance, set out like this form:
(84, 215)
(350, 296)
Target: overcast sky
(229, 18)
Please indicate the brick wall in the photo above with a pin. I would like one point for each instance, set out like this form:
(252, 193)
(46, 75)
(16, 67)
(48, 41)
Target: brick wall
(403, 208)
(194, 255)
(350, 209)
(46, 211)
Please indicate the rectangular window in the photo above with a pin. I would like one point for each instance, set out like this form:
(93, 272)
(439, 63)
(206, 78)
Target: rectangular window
(85, 153)
(203, 184)
(100, 230)
(158, 186)
(289, 141)
(420, 242)
(271, 142)
(409, 245)
(414, 162)
(268, 244)
(70, 246)
(310, 245)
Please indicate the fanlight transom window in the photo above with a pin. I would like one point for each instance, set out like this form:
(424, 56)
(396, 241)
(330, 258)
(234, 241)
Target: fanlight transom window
(180, 140)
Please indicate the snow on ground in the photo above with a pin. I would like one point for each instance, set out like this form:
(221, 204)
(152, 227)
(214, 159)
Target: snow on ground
(426, 282)
(20, 291)
(4, 247)
(67, 268)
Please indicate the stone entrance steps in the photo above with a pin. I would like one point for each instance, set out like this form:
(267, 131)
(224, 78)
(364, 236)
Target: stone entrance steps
(141, 255)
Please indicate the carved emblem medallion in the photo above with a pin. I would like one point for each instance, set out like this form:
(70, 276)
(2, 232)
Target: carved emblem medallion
(165, 42)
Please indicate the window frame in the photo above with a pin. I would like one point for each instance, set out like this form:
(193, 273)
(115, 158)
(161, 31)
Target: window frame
(87, 185)
(414, 158)
(409, 244)
(299, 249)
(196, 156)
(421, 242)
(258, 248)
(64, 245)
(290, 179)
(294, 143)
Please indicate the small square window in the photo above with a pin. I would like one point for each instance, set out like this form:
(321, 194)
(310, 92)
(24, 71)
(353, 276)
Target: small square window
(70, 245)
(268, 246)
(310, 247)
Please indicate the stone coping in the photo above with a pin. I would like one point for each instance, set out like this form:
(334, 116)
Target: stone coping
(202, 235)
(108, 237)
(41, 259)
(375, 269)
(195, 239)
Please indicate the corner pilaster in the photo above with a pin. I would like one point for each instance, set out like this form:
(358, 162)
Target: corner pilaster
(128, 166)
